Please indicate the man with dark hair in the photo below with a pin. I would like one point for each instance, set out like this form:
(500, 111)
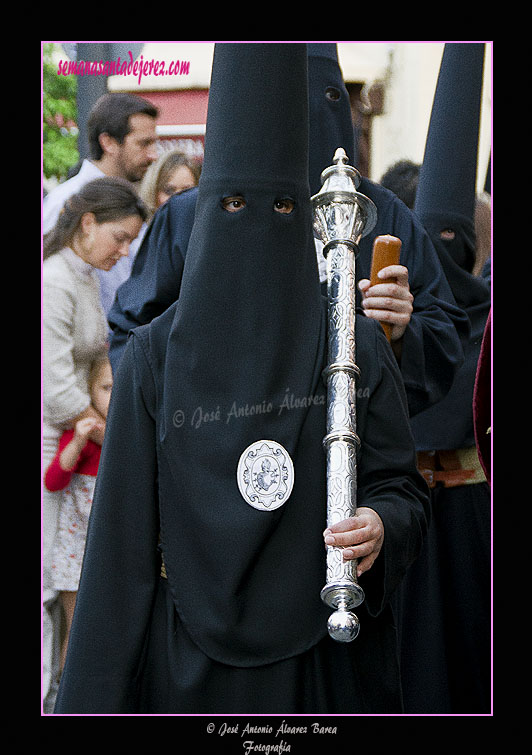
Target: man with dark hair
(121, 133)
(122, 142)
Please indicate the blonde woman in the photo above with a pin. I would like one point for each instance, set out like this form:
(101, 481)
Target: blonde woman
(172, 173)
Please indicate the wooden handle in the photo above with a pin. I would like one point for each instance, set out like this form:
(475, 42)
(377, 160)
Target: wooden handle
(386, 251)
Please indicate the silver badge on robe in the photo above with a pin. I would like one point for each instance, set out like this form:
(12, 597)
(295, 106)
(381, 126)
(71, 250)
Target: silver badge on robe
(265, 475)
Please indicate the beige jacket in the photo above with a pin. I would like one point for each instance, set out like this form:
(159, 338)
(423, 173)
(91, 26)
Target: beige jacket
(74, 333)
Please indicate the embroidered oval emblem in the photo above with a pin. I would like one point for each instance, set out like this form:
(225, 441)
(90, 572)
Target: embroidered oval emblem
(265, 475)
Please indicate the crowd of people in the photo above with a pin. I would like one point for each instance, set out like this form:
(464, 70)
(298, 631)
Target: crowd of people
(169, 286)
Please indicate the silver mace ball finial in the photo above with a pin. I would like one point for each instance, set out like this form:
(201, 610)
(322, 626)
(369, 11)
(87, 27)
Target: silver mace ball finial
(343, 625)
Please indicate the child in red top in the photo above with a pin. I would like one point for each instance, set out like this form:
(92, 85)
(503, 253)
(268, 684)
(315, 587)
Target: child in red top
(73, 472)
(86, 453)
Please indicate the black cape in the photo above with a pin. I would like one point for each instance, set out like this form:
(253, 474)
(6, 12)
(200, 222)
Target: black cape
(142, 643)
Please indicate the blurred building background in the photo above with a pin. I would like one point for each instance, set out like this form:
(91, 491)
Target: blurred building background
(391, 86)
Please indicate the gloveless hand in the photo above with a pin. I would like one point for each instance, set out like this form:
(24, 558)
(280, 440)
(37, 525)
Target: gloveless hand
(390, 301)
(361, 536)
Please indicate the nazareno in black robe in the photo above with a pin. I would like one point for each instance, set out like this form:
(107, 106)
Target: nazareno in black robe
(445, 599)
(432, 345)
(237, 625)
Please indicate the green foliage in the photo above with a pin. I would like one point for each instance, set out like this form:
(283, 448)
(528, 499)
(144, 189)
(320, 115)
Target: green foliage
(60, 151)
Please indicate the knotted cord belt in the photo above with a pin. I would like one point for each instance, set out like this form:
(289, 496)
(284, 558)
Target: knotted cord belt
(450, 468)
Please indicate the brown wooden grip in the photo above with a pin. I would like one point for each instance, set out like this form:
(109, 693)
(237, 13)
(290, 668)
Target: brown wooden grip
(386, 251)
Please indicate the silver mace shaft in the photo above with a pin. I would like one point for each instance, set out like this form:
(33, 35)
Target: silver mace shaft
(342, 216)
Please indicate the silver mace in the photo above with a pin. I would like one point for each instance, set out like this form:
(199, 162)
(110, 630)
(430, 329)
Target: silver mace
(342, 216)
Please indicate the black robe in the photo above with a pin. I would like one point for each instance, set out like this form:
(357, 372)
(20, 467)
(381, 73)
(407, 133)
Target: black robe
(141, 643)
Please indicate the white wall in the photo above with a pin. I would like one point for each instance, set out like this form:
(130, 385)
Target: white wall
(409, 71)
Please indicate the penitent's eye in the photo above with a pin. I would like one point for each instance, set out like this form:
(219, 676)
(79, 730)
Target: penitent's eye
(332, 93)
(284, 206)
(447, 234)
(233, 204)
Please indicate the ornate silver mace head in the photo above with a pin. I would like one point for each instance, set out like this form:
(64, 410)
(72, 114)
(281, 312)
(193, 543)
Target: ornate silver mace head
(341, 213)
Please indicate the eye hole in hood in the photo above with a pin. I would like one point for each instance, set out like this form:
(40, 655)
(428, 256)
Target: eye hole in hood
(333, 94)
(236, 203)
(285, 205)
(233, 204)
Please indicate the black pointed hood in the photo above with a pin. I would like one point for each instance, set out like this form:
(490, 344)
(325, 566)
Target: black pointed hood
(244, 361)
(445, 200)
(445, 196)
(331, 124)
(255, 94)
(239, 264)
(330, 127)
